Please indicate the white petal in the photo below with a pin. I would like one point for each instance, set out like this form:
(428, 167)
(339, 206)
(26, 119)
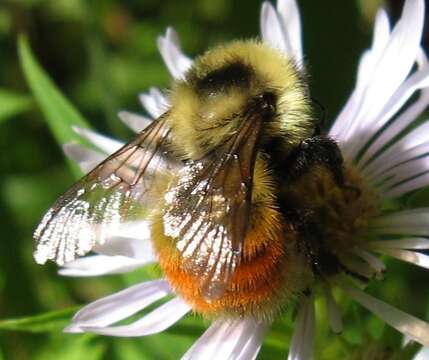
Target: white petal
(406, 187)
(407, 222)
(86, 158)
(101, 265)
(104, 143)
(404, 172)
(154, 102)
(423, 354)
(412, 145)
(291, 20)
(391, 70)
(177, 63)
(134, 121)
(408, 256)
(128, 247)
(130, 239)
(301, 347)
(154, 322)
(334, 314)
(367, 63)
(234, 339)
(373, 261)
(411, 243)
(413, 84)
(407, 324)
(119, 306)
(272, 31)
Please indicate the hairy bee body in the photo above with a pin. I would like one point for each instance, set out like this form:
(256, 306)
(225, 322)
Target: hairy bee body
(272, 273)
(236, 179)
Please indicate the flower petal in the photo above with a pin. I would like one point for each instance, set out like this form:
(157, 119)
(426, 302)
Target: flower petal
(302, 343)
(407, 186)
(86, 158)
(334, 314)
(408, 256)
(407, 222)
(367, 63)
(412, 145)
(289, 15)
(169, 47)
(233, 339)
(391, 70)
(412, 243)
(119, 306)
(104, 143)
(272, 31)
(129, 247)
(374, 262)
(419, 80)
(101, 265)
(154, 322)
(404, 173)
(407, 324)
(154, 102)
(134, 121)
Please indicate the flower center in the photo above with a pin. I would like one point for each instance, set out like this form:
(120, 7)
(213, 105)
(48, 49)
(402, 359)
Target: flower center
(336, 221)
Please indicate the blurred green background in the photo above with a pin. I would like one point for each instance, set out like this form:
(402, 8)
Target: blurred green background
(101, 54)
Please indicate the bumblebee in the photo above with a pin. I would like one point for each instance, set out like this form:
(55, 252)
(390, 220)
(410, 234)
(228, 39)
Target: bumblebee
(228, 177)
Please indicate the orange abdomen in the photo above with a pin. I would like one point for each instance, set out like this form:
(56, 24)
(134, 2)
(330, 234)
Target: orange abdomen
(267, 278)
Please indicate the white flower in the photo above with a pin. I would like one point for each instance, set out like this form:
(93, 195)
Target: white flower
(381, 106)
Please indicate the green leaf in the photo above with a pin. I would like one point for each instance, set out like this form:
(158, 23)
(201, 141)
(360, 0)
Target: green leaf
(12, 104)
(51, 321)
(59, 112)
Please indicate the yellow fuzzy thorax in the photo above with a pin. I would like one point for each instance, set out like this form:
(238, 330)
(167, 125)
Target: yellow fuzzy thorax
(201, 121)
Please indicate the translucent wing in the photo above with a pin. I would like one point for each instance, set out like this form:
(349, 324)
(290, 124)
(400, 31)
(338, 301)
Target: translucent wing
(116, 192)
(207, 212)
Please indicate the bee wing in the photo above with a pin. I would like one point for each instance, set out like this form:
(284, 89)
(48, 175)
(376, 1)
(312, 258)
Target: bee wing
(116, 192)
(207, 212)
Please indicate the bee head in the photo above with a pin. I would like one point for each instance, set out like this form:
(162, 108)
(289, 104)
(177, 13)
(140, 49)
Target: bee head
(241, 81)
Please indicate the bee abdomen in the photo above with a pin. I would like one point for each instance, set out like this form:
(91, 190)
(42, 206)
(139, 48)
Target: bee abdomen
(265, 280)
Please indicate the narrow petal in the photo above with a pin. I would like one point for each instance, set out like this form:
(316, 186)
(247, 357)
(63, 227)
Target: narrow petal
(154, 102)
(101, 265)
(405, 323)
(408, 186)
(302, 343)
(86, 158)
(119, 306)
(234, 339)
(154, 322)
(408, 256)
(407, 222)
(373, 261)
(169, 47)
(133, 248)
(393, 67)
(412, 243)
(405, 172)
(104, 143)
(410, 146)
(291, 20)
(418, 81)
(134, 121)
(334, 314)
(367, 63)
(272, 31)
